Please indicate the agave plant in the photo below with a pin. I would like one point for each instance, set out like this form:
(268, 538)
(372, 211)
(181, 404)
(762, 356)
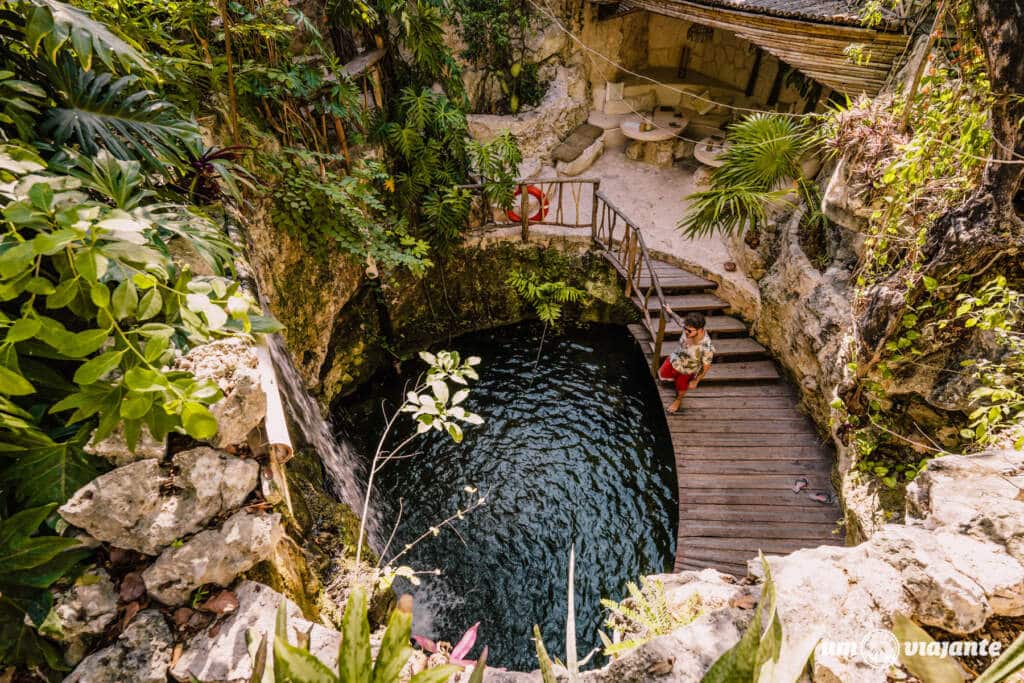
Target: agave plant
(761, 165)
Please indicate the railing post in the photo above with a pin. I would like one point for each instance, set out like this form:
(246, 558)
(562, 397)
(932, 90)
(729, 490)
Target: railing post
(524, 212)
(593, 210)
(658, 339)
(631, 261)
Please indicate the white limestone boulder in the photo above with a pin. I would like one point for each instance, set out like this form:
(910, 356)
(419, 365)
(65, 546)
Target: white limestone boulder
(141, 507)
(214, 556)
(141, 654)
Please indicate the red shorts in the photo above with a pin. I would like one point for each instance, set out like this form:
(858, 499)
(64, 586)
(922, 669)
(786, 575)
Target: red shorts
(670, 374)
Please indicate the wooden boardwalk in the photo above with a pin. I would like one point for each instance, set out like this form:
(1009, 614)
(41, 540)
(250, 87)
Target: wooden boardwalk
(740, 443)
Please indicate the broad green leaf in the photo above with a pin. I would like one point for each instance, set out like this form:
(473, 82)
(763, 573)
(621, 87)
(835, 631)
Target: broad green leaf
(136, 406)
(99, 295)
(125, 300)
(394, 648)
(63, 294)
(40, 286)
(354, 654)
(16, 530)
(13, 384)
(16, 259)
(36, 551)
(141, 379)
(22, 329)
(82, 344)
(95, 368)
(51, 474)
(198, 421)
(478, 669)
(150, 305)
(294, 665)
(49, 243)
(925, 667)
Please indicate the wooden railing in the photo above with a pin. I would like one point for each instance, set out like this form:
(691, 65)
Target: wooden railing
(568, 203)
(578, 203)
(623, 244)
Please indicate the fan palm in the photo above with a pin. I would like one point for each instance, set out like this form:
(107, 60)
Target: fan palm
(761, 164)
(98, 111)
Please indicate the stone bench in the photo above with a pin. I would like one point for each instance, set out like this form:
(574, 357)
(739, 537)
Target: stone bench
(579, 151)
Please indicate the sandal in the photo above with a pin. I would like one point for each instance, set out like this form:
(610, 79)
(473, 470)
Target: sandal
(800, 484)
(823, 498)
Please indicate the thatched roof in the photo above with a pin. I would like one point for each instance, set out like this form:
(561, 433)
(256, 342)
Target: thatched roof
(810, 35)
(840, 12)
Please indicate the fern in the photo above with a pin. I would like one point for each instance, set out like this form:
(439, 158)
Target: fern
(645, 615)
(546, 298)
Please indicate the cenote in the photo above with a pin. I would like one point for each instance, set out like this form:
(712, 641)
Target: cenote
(574, 449)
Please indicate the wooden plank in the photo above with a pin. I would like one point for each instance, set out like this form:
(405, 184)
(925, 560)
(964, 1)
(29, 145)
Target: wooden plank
(738, 411)
(745, 371)
(777, 483)
(682, 303)
(696, 400)
(750, 545)
(783, 440)
(715, 324)
(736, 390)
(687, 451)
(699, 565)
(755, 513)
(728, 348)
(678, 424)
(752, 530)
(742, 496)
(810, 470)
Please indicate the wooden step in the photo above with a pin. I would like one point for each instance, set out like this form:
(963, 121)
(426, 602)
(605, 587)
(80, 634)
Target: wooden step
(753, 371)
(683, 303)
(672, 280)
(715, 325)
(727, 348)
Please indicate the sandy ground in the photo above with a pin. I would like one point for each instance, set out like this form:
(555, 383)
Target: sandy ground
(654, 199)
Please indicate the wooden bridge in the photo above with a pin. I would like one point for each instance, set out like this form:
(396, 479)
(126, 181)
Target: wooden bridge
(740, 443)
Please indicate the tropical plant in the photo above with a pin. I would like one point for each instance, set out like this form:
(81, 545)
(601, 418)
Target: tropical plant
(433, 406)
(432, 158)
(97, 111)
(546, 298)
(759, 656)
(328, 211)
(572, 662)
(356, 663)
(761, 166)
(457, 654)
(645, 615)
(32, 563)
(494, 33)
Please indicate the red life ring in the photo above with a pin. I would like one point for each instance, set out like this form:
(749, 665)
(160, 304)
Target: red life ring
(542, 200)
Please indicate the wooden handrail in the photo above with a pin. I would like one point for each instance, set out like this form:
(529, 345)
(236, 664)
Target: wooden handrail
(637, 259)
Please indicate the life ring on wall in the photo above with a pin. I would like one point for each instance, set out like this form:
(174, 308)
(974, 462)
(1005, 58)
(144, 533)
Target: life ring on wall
(542, 201)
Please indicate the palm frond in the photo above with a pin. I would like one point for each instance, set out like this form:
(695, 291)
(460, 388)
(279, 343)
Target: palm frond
(97, 111)
(728, 210)
(765, 152)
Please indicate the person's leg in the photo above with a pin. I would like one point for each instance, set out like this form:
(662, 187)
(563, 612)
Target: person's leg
(666, 372)
(682, 384)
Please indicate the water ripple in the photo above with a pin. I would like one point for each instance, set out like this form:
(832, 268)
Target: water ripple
(573, 449)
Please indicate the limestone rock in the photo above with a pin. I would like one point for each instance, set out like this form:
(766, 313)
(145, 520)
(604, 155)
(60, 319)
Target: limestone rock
(127, 507)
(81, 612)
(842, 202)
(223, 656)
(142, 654)
(656, 153)
(584, 161)
(115, 448)
(213, 556)
(231, 363)
(540, 129)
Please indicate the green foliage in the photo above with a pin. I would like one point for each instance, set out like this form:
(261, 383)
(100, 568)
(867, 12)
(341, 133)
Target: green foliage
(547, 668)
(761, 164)
(645, 615)
(32, 563)
(941, 669)
(356, 664)
(760, 654)
(432, 156)
(546, 298)
(328, 211)
(96, 111)
(1009, 663)
(495, 35)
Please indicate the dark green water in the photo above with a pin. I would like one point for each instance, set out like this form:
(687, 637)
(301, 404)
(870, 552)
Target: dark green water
(573, 449)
